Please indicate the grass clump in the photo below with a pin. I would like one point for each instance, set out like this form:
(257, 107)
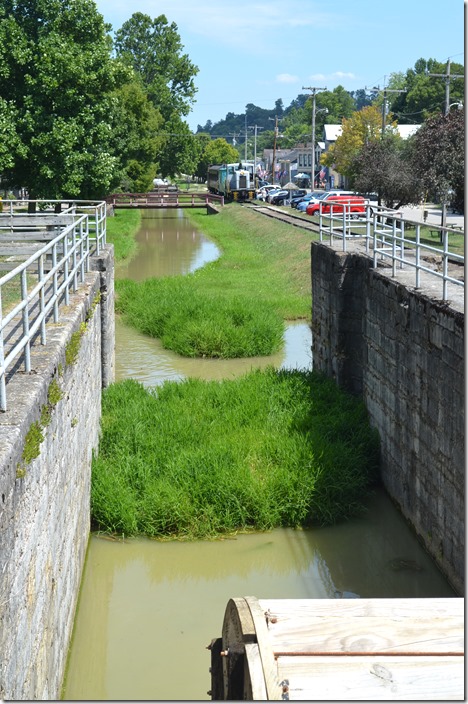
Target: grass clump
(201, 459)
(235, 306)
(195, 324)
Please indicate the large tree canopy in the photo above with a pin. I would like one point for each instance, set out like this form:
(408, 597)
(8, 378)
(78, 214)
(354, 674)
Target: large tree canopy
(438, 157)
(57, 73)
(153, 49)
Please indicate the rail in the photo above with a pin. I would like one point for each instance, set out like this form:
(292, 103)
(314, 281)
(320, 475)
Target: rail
(163, 200)
(385, 234)
(54, 249)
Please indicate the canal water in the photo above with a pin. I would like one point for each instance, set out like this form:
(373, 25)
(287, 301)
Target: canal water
(148, 609)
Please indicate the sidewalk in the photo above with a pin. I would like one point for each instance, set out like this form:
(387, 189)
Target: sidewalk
(434, 215)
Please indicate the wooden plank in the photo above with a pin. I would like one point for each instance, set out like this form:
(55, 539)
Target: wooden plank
(366, 625)
(254, 681)
(38, 220)
(369, 678)
(30, 236)
(269, 666)
(17, 249)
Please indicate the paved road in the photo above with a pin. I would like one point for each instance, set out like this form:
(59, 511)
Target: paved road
(434, 215)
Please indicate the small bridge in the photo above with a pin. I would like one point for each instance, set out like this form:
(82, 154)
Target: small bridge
(164, 199)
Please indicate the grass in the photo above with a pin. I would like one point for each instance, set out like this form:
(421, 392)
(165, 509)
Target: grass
(202, 459)
(121, 230)
(235, 306)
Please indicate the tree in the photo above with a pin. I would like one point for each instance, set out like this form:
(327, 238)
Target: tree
(438, 157)
(382, 167)
(137, 138)
(180, 151)
(425, 94)
(219, 151)
(58, 74)
(153, 49)
(361, 128)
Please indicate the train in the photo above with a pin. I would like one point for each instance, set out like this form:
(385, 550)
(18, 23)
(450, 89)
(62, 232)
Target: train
(233, 181)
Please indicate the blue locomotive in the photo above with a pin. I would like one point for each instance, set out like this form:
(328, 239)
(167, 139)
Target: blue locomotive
(232, 181)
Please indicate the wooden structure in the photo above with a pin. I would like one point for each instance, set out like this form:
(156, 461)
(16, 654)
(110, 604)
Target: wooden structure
(339, 649)
(166, 199)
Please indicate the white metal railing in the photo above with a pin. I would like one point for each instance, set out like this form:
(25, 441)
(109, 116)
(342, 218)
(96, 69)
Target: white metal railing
(384, 232)
(63, 243)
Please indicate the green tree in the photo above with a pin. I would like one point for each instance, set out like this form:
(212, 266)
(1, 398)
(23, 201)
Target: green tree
(361, 128)
(180, 150)
(218, 151)
(438, 157)
(425, 94)
(154, 50)
(137, 138)
(58, 74)
(382, 166)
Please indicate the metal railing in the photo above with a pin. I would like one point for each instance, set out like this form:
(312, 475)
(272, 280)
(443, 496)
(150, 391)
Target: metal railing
(33, 289)
(386, 234)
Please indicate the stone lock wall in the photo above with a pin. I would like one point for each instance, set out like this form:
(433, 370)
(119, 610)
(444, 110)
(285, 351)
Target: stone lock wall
(403, 352)
(45, 502)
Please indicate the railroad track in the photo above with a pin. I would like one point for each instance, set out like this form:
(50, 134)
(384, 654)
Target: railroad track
(290, 218)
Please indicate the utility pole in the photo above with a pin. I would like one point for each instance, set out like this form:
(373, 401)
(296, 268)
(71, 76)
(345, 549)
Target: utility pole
(245, 137)
(312, 170)
(384, 104)
(447, 77)
(255, 127)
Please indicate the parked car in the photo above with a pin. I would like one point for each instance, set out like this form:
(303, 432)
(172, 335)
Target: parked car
(354, 204)
(283, 195)
(272, 193)
(300, 199)
(263, 192)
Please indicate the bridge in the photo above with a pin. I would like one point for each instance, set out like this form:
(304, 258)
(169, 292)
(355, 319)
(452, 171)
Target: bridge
(164, 199)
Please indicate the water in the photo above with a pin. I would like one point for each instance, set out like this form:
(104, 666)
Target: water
(148, 609)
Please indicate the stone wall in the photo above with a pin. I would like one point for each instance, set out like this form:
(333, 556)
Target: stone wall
(402, 351)
(45, 499)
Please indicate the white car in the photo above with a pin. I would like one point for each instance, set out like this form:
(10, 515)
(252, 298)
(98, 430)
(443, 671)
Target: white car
(264, 191)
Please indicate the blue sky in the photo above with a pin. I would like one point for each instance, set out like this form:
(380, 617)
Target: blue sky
(256, 51)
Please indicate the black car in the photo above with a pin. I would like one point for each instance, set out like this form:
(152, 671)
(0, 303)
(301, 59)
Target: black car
(281, 196)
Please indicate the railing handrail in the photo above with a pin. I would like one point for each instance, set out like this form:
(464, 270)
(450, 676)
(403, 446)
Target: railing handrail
(384, 234)
(68, 254)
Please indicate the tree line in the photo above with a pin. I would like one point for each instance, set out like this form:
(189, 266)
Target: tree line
(83, 113)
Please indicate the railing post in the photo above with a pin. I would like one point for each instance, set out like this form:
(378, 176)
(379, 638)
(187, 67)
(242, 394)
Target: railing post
(25, 315)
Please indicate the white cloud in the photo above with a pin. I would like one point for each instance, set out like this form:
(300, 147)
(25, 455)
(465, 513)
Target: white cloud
(286, 78)
(342, 74)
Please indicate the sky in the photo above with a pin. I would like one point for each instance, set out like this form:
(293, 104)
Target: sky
(257, 51)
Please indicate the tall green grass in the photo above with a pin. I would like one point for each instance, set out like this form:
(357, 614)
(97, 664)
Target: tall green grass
(200, 459)
(121, 229)
(235, 306)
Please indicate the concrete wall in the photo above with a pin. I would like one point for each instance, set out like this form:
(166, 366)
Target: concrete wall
(45, 506)
(403, 352)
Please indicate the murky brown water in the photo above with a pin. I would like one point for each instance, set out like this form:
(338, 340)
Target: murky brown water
(148, 609)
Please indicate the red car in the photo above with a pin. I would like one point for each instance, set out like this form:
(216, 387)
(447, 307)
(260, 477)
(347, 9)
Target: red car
(356, 204)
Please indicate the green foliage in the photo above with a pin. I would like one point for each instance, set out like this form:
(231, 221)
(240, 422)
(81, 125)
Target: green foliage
(32, 442)
(199, 459)
(136, 139)
(384, 167)
(58, 73)
(153, 49)
(199, 324)
(438, 156)
(424, 94)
